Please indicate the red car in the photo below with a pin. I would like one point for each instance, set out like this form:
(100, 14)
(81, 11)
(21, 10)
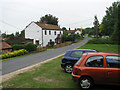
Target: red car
(97, 68)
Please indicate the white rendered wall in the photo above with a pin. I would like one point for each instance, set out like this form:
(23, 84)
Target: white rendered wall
(46, 38)
(78, 32)
(33, 31)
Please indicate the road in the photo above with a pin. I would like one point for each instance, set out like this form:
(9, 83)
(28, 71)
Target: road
(22, 62)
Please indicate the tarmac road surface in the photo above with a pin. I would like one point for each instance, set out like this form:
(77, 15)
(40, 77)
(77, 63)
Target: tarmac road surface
(22, 62)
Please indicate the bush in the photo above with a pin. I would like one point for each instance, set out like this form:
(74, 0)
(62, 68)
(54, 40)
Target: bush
(31, 47)
(101, 41)
(14, 54)
(18, 46)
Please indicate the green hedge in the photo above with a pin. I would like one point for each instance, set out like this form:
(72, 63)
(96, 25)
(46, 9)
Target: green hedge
(14, 54)
(18, 46)
(101, 41)
(29, 47)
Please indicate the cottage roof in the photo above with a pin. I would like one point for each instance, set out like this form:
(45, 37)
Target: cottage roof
(48, 26)
(4, 45)
(72, 31)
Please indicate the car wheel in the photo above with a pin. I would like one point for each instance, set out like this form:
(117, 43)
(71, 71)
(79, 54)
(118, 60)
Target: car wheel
(85, 82)
(68, 68)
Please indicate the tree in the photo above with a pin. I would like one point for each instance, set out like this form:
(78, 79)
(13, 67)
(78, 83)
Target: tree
(64, 28)
(96, 25)
(50, 19)
(3, 35)
(110, 18)
(116, 33)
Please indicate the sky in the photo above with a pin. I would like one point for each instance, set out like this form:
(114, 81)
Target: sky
(15, 15)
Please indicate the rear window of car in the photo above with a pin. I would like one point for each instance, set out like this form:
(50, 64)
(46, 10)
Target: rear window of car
(76, 54)
(113, 61)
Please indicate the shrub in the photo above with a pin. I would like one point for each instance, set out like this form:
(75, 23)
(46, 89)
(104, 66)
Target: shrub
(15, 53)
(101, 41)
(18, 46)
(31, 47)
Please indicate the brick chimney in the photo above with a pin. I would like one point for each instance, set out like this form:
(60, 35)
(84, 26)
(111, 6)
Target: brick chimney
(44, 22)
(69, 29)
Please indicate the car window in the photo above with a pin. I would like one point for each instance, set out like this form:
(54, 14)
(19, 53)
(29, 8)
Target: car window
(76, 54)
(113, 61)
(94, 61)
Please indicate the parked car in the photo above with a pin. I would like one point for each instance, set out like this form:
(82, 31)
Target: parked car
(71, 57)
(97, 68)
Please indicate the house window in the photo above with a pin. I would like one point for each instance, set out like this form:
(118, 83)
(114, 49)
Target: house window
(55, 32)
(60, 32)
(45, 32)
(49, 32)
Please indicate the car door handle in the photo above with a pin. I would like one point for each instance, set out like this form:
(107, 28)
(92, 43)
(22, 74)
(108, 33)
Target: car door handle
(109, 71)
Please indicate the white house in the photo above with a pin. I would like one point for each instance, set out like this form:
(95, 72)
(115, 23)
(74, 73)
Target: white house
(74, 32)
(42, 33)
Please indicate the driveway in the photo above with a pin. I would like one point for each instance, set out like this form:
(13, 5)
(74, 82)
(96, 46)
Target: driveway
(22, 62)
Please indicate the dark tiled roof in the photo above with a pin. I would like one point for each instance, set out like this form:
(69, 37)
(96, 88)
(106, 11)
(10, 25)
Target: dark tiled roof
(4, 45)
(48, 26)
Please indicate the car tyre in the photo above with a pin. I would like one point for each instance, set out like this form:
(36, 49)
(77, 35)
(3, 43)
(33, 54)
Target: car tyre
(68, 68)
(85, 83)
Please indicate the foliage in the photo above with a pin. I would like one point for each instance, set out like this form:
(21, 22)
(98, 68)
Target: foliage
(101, 41)
(14, 54)
(71, 37)
(18, 46)
(90, 31)
(116, 33)
(64, 28)
(50, 19)
(30, 47)
(109, 19)
(96, 25)
(15, 40)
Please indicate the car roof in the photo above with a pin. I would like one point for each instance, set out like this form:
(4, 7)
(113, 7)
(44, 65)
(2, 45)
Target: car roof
(82, 50)
(102, 53)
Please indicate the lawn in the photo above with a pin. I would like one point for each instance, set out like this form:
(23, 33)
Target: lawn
(51, 75)
(102, 47)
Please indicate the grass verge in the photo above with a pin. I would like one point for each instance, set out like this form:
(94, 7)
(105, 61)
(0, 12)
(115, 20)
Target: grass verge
(102, 47)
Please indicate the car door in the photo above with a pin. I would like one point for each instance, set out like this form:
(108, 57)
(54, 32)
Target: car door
(95, 68)
(113, 69)
(75, 56)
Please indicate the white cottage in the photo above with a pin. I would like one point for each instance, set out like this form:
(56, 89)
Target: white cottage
(74, 32)
(42, 33)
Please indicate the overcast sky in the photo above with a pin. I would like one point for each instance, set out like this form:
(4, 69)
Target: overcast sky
(15, 15)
